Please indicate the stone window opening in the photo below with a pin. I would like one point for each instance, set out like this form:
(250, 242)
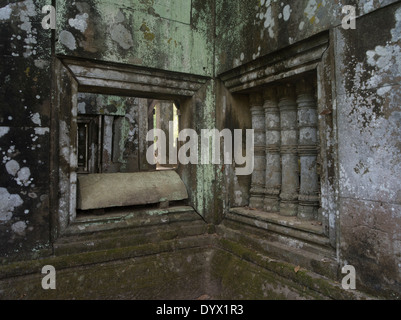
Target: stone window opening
(125, 190)
(111, 139)
(112, 132)
(286, 178)
(292, 196)
(286, 205)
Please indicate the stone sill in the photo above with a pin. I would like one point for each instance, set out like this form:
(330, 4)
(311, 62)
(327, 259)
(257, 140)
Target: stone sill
(123, 218)
(292, 227)
(290, 222)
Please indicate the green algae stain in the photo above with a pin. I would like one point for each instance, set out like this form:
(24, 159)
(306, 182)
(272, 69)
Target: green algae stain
(147, 35)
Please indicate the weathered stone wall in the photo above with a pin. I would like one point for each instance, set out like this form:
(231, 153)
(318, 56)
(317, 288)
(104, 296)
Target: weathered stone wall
(209, 38)
(25, 128)
(170, 35)
(198, 113)
(247, 30)
(234, 114)
(361, 123)
(368, 73)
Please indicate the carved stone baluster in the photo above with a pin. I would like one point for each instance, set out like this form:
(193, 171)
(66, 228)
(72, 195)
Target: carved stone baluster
(273, 159)
(307, 149)
(289, 149)
(258, 176)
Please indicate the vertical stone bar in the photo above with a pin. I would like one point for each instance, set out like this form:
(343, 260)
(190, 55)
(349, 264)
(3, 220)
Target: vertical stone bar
(289, 149)
(107, 149)
(166, 115)
(308, 149)
(258, 176)
(273, 158)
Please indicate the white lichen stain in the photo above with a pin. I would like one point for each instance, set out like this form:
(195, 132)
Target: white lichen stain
(36, 119)
(8, 202)
(5, 12)
(368, 6)
(19, 228)
(266, 16)
(41, 64)
(287, 12)
(4, 131)
(27, 11)
(82, 107)
(312, 9)
(80, 22)
(373, 117)
(256, 55)
(237, 62)
(238, 198)
(12, 167)
(64, 141)
(269, 22)
(387, 58)
(67, 39)
(122, 36)
(119, 17)
(63, 211)
(23, 177)
(41, 131)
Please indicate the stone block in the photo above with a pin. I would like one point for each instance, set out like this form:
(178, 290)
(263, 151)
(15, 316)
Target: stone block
(98, 191)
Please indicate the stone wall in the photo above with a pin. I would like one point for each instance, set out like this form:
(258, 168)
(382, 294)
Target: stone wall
(172, 35)
(25, 129)
(146, 34)
(358, 87)
(368, 71)
(358, 84)
(247, 30)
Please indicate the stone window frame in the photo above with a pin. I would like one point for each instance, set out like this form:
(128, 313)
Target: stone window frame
(310, 57)
(71, 76)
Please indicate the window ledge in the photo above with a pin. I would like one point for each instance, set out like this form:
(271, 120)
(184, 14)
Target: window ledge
(290, 222)
(291, 227)
(125, 218)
